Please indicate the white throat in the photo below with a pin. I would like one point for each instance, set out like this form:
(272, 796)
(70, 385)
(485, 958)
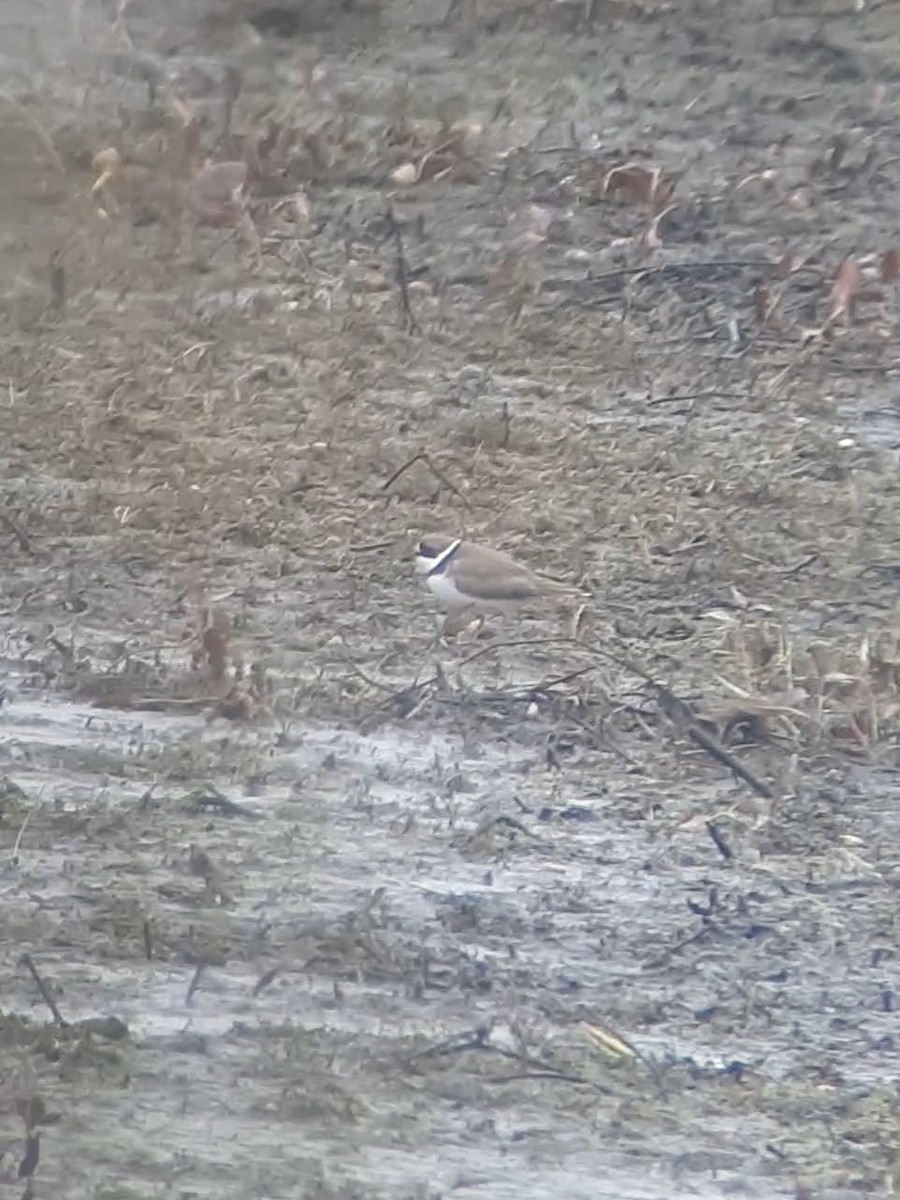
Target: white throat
(426, 565)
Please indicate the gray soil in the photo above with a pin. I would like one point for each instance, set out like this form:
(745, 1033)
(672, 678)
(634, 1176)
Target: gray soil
(299, 899)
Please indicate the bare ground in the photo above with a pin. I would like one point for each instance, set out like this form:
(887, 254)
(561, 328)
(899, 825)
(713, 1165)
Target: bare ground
(605, 910)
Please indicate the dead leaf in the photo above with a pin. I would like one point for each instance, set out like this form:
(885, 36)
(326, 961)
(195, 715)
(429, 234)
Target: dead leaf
(639, 185)
(108, 163)
(116, 180)
(651, 238)
(844, 289)
(217, 193)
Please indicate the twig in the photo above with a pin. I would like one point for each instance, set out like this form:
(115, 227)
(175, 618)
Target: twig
(19, 836)
(506, 823)
(402, 268)
(31, 1156)
(546, 684)
(27, 961)
(435, 470)
(681, 716)
(506, 420)
(264, 980)
(719, 841)
(720, 754)
(801, 566)
(347, 661)
(514, 642)
(212, 798)
(195, 983)
(665, 958)
(372, 547)
(478, 1039)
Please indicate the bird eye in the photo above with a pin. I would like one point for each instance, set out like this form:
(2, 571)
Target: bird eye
(426, 550)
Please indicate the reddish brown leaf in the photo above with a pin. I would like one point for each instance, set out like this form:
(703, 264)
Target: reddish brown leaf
(845, 288)
(217, 192)
(890, 267)
(639, 185)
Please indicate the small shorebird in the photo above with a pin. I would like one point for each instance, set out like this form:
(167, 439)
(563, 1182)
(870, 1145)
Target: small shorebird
(468, 578)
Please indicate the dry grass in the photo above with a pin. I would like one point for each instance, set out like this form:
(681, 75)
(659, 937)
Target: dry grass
(235, 428)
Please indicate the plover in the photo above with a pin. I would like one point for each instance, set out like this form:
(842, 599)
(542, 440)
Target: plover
(466, 577)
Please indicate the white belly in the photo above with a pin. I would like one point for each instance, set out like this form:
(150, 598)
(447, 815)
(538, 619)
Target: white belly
(444, 588)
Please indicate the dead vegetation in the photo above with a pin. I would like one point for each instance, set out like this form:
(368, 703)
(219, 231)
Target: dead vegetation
(276, 319)
(665, 428)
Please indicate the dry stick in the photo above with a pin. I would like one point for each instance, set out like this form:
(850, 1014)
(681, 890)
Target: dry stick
(665, 958)
(402, 266)
(195, 983)
(347, 661)
(681, 716)
(708, 743)
(514, 642)
(31, 1156)
(264, 980)
(719, 841)
(506, 420)
(546, 684)
(435, 470)
(19, 836)
(477, 1040)
(675, 709)
(372, 547)
(27, 961)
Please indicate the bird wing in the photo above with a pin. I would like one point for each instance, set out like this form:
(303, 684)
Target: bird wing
(493, 575)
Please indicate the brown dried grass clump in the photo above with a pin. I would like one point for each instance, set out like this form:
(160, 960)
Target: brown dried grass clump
(809, 692)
